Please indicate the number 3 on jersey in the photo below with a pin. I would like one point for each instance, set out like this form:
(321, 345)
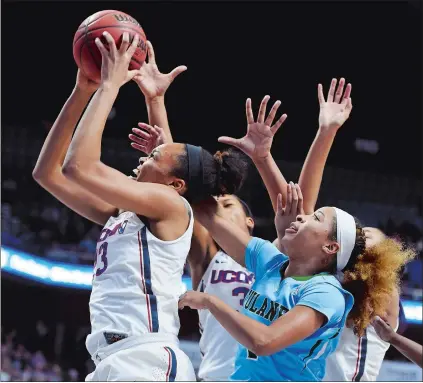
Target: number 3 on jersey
(101, 258)
(240, 290)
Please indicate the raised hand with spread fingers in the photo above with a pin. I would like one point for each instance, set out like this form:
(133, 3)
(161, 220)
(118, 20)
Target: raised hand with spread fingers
(257, 144)
(151, 81)
(336, 109)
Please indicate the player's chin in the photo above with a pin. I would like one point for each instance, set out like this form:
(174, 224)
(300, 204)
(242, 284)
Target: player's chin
(290, 238)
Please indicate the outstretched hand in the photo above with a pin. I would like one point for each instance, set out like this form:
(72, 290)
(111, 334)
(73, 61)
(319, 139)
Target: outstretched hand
(257, 142)
(288, 214)
(151, 81)
(115, 62)
(337, 108)
(194, 300)
(148, 139)
(383, 329)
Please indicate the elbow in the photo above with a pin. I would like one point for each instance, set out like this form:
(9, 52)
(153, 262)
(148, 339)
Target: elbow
(42, 177)
(71, 170)
(77, 171)
(38, 176)
(262, 347)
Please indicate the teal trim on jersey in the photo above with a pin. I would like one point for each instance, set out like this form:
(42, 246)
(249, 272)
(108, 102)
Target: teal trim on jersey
(306, 278)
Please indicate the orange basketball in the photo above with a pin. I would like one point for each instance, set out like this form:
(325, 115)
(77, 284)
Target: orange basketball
(85, 51)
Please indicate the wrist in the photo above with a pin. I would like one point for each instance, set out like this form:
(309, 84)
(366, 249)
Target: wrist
(261, 160)
(326, 131)
(108, 87)
(81, 93)
(208, 301)
(393, 339)
(156, 100)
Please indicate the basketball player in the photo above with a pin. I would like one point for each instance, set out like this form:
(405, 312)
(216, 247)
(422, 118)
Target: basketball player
(148, 227)
(351, 361)
(305, 285)
(212, 270)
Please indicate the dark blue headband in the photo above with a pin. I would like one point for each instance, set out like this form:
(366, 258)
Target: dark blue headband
(195, 168)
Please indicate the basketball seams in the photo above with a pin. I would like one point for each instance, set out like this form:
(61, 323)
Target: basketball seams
(138, 31)
(98, 18)
(89, 48)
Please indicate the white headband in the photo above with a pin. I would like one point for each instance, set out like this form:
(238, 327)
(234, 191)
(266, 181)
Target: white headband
(345, 236)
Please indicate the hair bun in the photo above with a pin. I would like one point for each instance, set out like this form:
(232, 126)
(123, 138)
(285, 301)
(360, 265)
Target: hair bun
(219, 156)
(231, 171)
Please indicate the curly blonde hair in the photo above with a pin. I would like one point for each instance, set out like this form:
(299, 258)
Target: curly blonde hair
(373, 278)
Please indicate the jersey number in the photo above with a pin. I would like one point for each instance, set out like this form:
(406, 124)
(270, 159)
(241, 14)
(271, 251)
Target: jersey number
(251, 355)
(102, 253)
(240, 290)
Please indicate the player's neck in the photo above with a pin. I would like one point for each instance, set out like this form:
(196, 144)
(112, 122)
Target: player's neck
(297, 269)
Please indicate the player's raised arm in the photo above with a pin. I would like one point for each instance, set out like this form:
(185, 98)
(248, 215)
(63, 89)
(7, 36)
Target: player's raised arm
(334, 111)
(257, 143)
(154, 85)
(231, 238)
(48, 170)
(83, 164)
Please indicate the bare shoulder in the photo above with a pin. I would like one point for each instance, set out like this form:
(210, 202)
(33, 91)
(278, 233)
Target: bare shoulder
(165, 198)
(176, 214)
(392, 309)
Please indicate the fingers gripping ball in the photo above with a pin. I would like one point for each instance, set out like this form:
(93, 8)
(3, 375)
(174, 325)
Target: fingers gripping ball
(85, 51)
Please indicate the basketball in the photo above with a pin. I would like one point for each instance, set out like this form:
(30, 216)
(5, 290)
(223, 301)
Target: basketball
(85, 51)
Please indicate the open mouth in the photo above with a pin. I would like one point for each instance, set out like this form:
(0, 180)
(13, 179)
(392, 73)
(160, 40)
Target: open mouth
(292, 228)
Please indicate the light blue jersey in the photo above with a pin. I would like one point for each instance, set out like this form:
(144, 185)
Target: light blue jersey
(270, 297)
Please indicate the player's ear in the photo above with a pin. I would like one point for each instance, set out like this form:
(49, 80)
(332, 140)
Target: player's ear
(178, 184)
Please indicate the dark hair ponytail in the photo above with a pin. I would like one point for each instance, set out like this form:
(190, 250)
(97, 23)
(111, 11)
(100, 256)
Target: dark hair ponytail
(211, 175)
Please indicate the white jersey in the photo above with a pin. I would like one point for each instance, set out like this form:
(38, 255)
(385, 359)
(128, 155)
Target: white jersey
(357, 358)
(137, 281)
(230, 282)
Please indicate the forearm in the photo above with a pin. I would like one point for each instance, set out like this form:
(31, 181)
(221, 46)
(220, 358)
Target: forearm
(312, 171)
(408, 348)
(247, 331)
(157, 115)
(58, 139)
(85, 148)
(273, 179)
(232, 239)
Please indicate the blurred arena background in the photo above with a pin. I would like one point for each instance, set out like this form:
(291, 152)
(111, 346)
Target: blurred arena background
(233, 51)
